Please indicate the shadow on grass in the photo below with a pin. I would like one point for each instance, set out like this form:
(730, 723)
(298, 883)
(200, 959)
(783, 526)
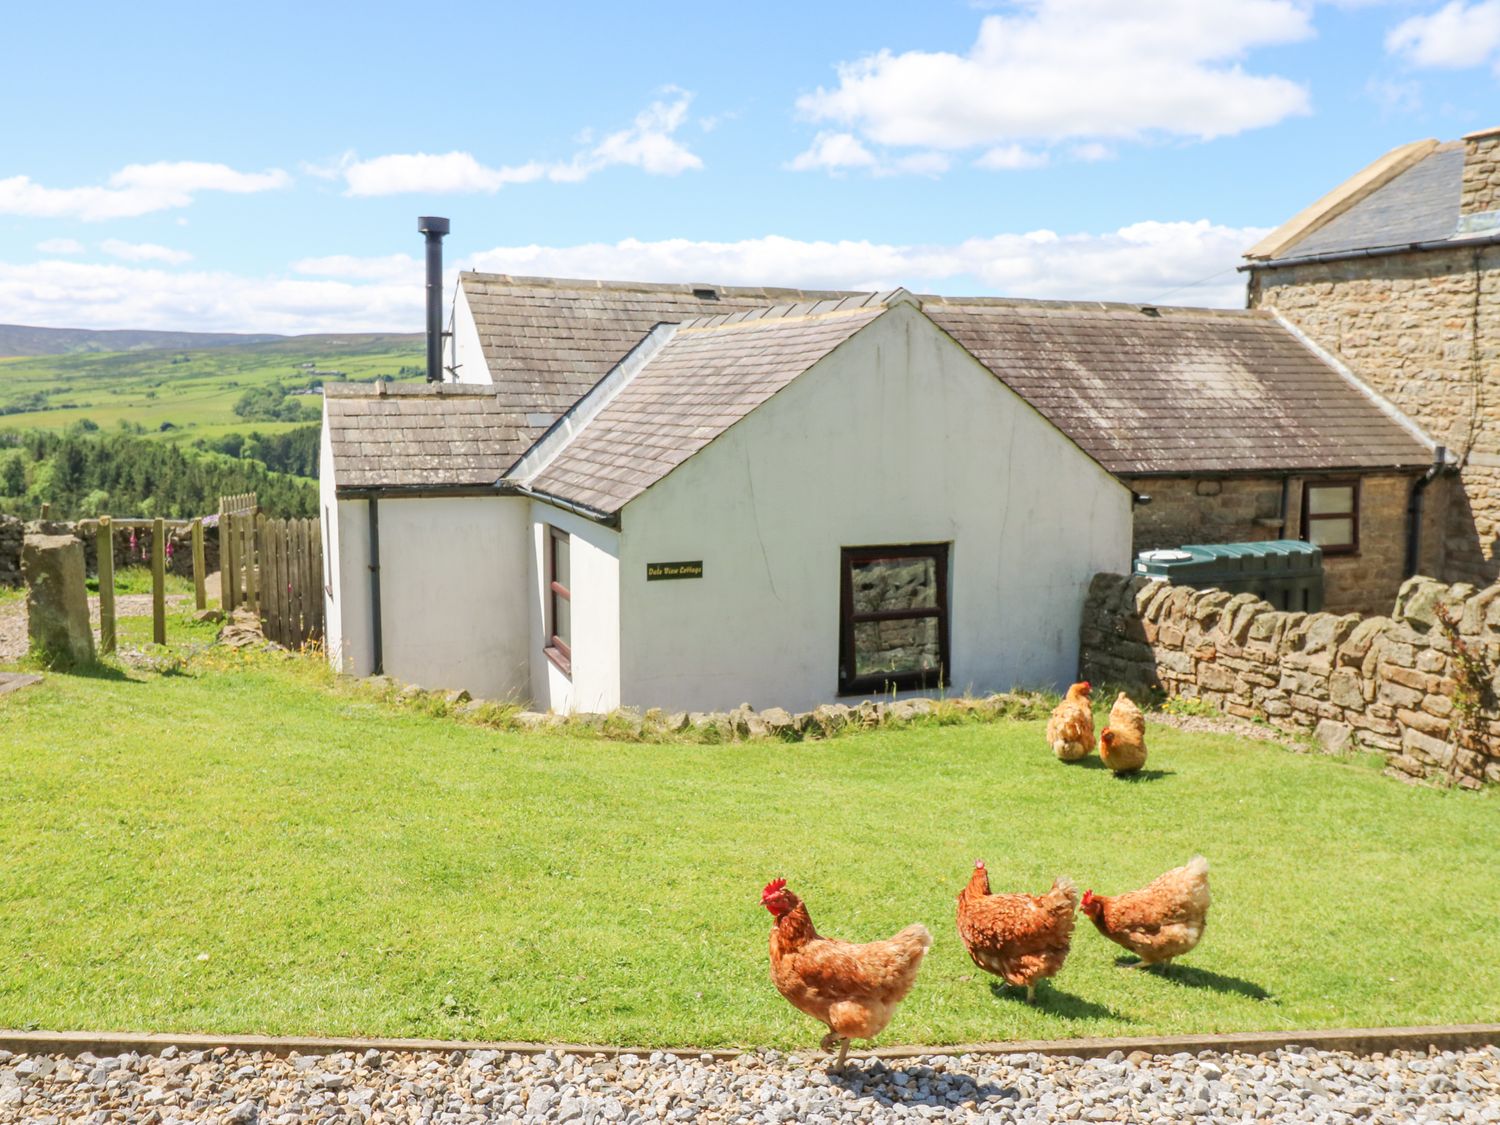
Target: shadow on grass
(1053, 1000)
(1093, 763)
(1190, 976)
(1145, 775)
(872, 1077)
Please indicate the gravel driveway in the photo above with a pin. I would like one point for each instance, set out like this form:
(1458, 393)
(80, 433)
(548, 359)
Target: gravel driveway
(227, 1086)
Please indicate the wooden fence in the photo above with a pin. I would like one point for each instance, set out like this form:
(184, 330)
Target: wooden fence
(104, 528)
(275, 568)
(291, 586)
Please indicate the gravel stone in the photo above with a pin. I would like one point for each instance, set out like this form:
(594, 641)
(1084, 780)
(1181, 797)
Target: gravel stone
(768, 1088)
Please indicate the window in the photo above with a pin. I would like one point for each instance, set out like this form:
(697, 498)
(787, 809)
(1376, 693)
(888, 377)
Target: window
(893, 628)
(1330, 515)
(559, 601)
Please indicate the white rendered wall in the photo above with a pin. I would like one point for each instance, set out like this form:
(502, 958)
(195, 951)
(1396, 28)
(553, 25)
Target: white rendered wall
(333, 586)
(348, 627)
(463, 352)
(453, 576)
(897, 436)
(594, 683)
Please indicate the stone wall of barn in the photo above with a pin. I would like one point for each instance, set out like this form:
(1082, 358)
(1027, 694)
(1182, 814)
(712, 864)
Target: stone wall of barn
(1423, 329)
(1247, 510)
(1418, 689)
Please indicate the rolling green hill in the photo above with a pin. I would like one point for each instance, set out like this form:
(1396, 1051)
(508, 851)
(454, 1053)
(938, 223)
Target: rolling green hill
(184, 394)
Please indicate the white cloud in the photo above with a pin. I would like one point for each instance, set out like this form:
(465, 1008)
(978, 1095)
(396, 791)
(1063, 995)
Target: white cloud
(1011, 158)
(1148, 261)
(144, 252)
(392, 267)
(1457, 35)
(60, 246)
(137, 189)
(649, 144)
(1074, 70)
(1139, 262)
(75, 295)
(833, 152)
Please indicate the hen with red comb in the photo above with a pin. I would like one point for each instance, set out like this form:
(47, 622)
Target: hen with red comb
(853, 989)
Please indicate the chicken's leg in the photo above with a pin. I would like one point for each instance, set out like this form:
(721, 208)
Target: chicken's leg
(828, 1041)
(1031, 994)
(843, 1053)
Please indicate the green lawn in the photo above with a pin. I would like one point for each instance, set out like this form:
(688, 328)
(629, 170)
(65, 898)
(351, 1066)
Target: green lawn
(242, 849)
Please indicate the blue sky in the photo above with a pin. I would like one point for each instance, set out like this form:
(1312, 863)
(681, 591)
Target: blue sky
(261, 168)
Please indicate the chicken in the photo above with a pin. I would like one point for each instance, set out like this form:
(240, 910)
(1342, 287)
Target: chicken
(1122, 744)
(854, 989)
(1070, 730)
(1160, 921)
(1019, 937)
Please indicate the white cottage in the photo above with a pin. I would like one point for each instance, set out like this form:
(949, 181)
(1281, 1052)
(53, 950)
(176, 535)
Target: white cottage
(626, 502)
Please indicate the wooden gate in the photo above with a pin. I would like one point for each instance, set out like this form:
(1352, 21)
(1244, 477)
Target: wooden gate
(274, 567)
(291, 580)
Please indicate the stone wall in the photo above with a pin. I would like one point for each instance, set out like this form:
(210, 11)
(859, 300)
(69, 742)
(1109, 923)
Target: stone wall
(1381, 683)
(1480, 188)
(1423, 329)
(12, 535)
(1246, 509)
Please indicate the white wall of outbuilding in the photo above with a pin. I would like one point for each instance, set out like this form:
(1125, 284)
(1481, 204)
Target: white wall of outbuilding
(897, 436)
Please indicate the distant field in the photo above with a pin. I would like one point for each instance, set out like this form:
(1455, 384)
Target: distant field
(193, 389)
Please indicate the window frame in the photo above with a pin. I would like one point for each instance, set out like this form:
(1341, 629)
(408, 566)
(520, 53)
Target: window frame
(848, 682)
(1308, 518)
(557, 650)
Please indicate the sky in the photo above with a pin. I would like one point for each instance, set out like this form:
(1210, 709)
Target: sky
(260, 168)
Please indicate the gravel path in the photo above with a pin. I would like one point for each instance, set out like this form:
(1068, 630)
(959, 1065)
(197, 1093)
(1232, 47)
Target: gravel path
(13, 639)
(226, 1086)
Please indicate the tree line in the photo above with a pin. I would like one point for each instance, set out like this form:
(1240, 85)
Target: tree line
(82, 473)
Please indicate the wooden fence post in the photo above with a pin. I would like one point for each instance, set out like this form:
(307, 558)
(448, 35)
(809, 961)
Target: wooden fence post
(159, 582)
(104, 551)
(254, 527)
(200, 594)
(228, 579)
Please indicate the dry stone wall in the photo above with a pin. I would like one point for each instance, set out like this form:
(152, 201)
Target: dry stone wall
(1405, 685)
(12, 535)
(1423, 329)
(128, 551)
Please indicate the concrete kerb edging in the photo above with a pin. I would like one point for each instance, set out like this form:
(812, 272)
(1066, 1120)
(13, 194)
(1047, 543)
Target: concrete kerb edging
(1360, 1041)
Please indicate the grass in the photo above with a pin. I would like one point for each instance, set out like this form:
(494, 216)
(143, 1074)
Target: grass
(137, 580)
(193, 389)
(244, 848)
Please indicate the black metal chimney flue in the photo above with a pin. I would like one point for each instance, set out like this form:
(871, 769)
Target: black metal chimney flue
(434, 228)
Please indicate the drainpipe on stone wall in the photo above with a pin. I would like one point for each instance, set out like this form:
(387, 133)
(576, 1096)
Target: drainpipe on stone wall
(375, 637)
(1414, 509)
(1286, 496)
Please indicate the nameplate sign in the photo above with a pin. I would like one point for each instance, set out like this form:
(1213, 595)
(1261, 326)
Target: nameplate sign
(658, 571)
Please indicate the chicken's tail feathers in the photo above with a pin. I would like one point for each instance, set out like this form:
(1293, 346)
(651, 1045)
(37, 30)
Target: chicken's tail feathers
(916, 934)
(1197, 866)
(1067, 888)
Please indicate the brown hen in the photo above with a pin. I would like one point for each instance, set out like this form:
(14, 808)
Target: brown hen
(1162, 920)
(1070, 730)
(854, 989)
(1018, 937)
(1122, 744)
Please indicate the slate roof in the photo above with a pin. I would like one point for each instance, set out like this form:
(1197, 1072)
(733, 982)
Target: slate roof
(413, 435)
(1419, 205)
(709, 375)
(548, 340)
(1183, 391)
